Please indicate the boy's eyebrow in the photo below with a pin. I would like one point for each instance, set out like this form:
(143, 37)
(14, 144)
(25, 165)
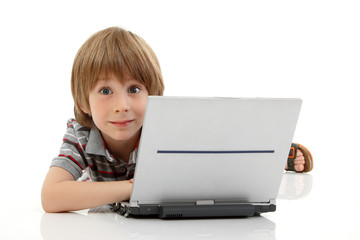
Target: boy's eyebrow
(101, 78)
(132, 79)
(105, 80)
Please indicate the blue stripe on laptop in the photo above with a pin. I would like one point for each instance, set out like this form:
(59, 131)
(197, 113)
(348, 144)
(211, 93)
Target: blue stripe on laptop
(214, 152)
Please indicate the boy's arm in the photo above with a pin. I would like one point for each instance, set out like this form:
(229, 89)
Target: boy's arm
(62, 193)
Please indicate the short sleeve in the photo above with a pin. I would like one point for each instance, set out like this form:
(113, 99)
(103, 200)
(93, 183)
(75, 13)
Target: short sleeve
(71, 156)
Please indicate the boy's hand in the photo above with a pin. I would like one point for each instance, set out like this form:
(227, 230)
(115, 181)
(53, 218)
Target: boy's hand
(62, 193)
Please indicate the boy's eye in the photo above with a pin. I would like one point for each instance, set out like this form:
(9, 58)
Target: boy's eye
(134, 89)
(105, 91)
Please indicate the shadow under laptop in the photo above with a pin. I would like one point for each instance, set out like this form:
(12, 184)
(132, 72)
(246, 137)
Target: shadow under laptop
(295, 186)
(101, 222)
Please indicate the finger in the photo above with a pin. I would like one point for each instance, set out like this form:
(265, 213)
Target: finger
(299, 161)
(131, 180)
(299, 153)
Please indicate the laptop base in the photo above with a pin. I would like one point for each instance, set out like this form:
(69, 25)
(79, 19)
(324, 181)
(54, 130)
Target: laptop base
(194, 211)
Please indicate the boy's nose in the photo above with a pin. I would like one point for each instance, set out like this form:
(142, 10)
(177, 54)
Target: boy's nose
(121, 105)
(121, 110)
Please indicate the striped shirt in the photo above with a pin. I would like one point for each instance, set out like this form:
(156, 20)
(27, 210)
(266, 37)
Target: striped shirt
(84, 155)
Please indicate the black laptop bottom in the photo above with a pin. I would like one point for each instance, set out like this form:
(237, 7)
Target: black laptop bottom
(194, 211)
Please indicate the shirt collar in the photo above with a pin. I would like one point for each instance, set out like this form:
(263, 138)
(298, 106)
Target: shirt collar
(95, 144)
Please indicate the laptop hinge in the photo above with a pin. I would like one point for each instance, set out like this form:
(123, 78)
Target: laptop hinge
(134, 203)
(205, 202)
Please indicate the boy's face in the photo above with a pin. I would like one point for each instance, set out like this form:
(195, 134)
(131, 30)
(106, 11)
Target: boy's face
(118, 109)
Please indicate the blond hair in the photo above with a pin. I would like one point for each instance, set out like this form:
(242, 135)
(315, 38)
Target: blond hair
(112, 51)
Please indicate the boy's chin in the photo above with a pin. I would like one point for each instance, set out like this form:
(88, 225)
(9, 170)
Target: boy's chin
(125, 137)
(121, 138)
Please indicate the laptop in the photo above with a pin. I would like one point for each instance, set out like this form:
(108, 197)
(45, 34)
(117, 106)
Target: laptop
(211, 157)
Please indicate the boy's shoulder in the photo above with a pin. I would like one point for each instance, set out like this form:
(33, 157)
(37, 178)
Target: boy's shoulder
(76, 129)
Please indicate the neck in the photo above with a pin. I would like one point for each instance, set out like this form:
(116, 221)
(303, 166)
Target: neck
(122, 148)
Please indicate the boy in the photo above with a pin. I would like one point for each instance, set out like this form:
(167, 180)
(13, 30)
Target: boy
(113, 74)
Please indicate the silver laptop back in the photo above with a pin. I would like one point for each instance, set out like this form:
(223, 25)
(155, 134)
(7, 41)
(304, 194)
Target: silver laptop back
(213, 149)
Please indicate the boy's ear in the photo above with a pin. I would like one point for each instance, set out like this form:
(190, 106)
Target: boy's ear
(85, 110)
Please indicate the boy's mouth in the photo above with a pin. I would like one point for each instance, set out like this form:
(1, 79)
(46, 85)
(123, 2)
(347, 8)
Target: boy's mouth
(124, 123)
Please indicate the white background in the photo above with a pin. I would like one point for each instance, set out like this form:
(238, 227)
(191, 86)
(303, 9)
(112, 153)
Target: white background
(308, 49)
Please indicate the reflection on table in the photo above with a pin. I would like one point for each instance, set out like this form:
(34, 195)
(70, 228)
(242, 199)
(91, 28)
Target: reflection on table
(295, 186)
(100, 223)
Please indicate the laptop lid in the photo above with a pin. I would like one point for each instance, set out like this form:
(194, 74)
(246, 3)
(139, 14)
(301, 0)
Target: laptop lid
(213, 149)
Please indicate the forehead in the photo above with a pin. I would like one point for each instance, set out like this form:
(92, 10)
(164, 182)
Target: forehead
(110, 76)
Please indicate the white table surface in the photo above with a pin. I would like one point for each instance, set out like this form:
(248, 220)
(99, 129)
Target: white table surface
(309, 206)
